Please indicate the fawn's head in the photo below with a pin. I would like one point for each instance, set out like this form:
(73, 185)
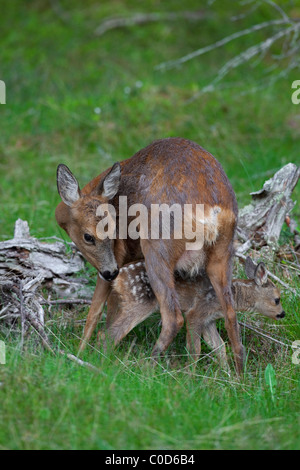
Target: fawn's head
(77, 215)
(266, 294)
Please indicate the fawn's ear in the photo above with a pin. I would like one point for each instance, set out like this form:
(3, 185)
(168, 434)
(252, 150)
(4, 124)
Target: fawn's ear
(261, 274)
(67, 185)
(250, 268)
(110, 185)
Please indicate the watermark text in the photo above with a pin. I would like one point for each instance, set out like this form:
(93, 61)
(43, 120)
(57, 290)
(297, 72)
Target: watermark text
(189, 222)
(296, 353)
(2, 92)
(296, 94)
(2, 353)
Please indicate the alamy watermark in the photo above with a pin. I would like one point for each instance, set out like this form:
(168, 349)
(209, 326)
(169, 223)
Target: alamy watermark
(2, 353)
(159, 221)
(296, 94)
(296, 353)
(2, 92)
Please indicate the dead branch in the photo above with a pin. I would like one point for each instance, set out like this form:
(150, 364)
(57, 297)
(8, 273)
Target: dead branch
(139, 19)
(222, 42)
(66, 302)
(264, 335)
(81, 363)
(249, 53)
(287, 31)
(40, 331)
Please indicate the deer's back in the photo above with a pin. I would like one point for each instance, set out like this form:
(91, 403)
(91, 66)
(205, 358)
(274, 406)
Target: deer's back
(173, 170)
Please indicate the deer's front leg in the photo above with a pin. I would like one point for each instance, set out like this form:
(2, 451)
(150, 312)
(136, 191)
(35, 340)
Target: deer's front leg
(101, 293)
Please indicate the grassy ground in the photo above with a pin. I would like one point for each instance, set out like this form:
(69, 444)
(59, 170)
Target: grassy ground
(88, 101)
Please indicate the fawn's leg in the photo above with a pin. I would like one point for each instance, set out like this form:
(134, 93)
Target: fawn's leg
(193, 332)
(214, 341)
(122, 317)
(99, 298)
(197, 328)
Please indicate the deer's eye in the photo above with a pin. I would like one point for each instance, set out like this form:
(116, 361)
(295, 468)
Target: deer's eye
(88, 238)
(277, 301)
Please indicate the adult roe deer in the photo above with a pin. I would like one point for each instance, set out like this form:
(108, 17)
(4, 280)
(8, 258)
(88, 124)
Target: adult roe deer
(169, 171)
(132, 300)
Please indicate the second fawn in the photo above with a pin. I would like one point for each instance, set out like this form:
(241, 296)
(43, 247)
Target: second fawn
(132, 300)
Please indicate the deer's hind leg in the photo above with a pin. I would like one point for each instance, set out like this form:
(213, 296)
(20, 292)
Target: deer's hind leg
(219, 271)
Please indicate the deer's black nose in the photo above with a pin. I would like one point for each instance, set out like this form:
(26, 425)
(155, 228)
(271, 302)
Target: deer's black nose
(281, 315)
(108, 276)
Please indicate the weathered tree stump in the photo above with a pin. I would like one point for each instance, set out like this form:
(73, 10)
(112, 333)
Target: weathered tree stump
(261, 221)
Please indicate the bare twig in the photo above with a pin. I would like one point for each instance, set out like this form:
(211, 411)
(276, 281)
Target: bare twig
(220, 43)
(46, 343)
(286, 28)
(278, 8)
(144, 18)
(243, 248)
(81, 363)
(249, 53)
(261, 333)
(40, 330)
(3, 310)
(66, 301)
(245, 14)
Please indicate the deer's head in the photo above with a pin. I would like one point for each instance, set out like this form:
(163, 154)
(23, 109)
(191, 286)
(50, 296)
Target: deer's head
(79, 216)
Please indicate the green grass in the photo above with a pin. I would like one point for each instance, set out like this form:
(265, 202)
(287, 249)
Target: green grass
(51, 403)
(57, 73)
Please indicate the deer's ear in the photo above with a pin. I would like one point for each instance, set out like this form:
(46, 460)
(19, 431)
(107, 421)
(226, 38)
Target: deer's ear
(67, 185)
(111, 182)
(250, 268)
(261, 274)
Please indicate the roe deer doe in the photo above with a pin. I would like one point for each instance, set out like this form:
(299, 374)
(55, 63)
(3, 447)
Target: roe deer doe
(132, 300)
(170, 171)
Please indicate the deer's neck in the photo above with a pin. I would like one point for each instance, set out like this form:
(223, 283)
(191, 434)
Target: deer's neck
(243, 294)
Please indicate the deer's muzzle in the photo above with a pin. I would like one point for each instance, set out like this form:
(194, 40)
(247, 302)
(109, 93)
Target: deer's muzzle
(108, 276)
